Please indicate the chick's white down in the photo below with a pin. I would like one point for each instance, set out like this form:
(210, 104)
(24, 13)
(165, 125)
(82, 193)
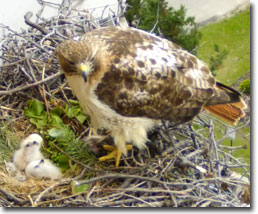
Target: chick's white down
(29, 151)
(42, 169)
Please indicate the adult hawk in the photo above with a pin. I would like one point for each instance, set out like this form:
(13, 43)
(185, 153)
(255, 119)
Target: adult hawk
(128, 80)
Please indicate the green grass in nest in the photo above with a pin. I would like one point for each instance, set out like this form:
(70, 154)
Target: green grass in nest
(9, 142)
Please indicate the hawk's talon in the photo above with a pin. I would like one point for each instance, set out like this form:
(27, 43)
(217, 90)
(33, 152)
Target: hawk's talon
(116, 153)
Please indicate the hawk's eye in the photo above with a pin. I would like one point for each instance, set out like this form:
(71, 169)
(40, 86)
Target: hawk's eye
(27, 145)
(71, 62)
(34, 143)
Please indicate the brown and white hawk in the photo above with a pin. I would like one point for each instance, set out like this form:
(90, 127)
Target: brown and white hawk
(128, 80)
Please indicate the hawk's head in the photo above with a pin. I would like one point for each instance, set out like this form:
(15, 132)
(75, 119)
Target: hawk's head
(76, 58)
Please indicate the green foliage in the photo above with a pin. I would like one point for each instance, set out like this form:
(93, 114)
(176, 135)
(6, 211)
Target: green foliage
(156, 16)
(232, 34)
(217, 59)
(75, 110)
(245, 86)
(35, 111)
(58, 133)
(79, 188)
(9, 142)
(38, 116)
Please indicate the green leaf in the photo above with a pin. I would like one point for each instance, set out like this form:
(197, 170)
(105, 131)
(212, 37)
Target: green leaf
(55, 117)
(35, 111)
(74, 102)
(72, 111)
(81, 117)
(75, 110)
(35, 108)
(79, 188)
(56, 132)
(62, 134)
(40, 122)
(57, 111)
(56, 121)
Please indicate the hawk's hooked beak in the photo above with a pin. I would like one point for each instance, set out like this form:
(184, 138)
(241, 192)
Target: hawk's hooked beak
(84, 71)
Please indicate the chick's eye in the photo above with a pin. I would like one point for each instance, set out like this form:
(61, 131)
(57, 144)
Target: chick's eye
(27, 145)
(34, 143)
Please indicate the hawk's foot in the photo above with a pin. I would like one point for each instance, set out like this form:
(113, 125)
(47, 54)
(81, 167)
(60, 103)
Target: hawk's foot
(115, 153)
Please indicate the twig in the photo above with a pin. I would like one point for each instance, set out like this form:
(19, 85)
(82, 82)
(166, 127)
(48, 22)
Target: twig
(10, 196)
(125, 176)
(13, 63)
(37, 200)
(233, 148)
(153, 190)
(27, 20)
(157, 20)
(9, 92)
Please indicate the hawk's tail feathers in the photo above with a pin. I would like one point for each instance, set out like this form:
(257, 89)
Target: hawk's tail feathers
(230, 112)
(226, 104)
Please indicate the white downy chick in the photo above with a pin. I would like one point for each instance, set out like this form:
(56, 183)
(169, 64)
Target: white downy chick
(29, 151)
(42, 169)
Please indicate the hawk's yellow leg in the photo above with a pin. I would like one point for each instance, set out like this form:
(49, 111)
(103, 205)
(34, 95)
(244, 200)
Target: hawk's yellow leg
(115, 153)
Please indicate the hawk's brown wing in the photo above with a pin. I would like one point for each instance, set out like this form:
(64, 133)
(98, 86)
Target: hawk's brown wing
(152, 77)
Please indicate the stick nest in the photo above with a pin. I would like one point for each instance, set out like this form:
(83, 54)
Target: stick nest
(182, 166)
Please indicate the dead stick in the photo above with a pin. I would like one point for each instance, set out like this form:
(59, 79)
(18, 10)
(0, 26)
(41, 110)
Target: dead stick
(9, 92)
(126, 176)
(37, 200)
(27, 20)
(12, 197)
